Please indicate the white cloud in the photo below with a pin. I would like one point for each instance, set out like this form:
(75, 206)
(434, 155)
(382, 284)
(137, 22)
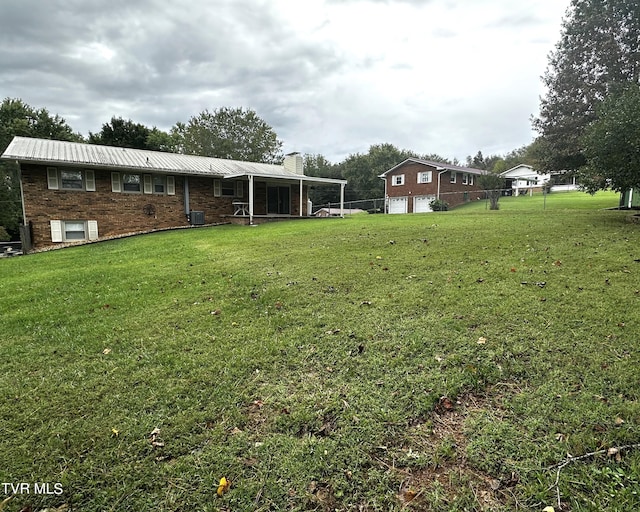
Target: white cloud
(331, 76)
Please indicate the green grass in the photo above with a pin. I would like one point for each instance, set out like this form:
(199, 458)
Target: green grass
(308, 363)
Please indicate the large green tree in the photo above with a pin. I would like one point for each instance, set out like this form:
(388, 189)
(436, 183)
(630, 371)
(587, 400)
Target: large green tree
(125, 133)
(598, 50)
(233, 133)
(317, 165)
(612, 143)
(19, 119)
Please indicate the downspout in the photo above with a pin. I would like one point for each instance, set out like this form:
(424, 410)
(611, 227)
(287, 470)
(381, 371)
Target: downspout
(187, 207)
(24, 211)
(439, 174)
(386, 195)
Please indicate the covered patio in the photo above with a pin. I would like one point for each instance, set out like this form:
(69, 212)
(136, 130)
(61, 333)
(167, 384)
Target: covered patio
(272, 197)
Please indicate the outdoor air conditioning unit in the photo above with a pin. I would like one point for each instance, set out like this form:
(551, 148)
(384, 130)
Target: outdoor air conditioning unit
(197, 218)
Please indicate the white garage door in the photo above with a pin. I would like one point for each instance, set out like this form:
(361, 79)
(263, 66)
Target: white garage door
(421, 204)
(397, 205)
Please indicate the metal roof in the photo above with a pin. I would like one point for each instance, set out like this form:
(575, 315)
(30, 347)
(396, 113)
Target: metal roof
(438, 165)
(56, 152)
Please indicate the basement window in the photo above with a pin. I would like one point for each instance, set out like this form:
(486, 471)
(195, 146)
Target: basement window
(74, 230)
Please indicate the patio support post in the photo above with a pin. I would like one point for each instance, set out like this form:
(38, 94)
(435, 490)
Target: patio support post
(250, 199)
(300, 198)
(342, 185)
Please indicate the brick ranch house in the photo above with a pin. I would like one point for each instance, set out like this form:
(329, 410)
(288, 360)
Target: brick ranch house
(74, 192)
(410, 186)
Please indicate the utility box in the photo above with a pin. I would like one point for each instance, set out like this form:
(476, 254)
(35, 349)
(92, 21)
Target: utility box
(197, 218)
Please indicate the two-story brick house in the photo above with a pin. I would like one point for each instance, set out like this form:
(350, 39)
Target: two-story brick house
(73, 192)
(411, 185)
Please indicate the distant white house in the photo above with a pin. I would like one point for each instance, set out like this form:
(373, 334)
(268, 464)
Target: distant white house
(523, 179)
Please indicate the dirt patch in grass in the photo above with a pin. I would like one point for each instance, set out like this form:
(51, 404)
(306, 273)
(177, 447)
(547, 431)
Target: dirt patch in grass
(432, 462)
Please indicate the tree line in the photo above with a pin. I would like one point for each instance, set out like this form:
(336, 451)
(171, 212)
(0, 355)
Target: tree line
(232, 133)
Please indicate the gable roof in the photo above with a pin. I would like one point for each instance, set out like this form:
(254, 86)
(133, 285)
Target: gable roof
(520, 169)
(440, 166)
(56, 152)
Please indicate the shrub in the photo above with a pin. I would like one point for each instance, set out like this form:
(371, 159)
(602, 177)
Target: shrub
(438, 205)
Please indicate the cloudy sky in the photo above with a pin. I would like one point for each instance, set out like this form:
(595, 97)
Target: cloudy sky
(333, 77)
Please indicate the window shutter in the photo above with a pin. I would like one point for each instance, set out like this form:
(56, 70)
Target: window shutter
(115, 182)
(239, 189)
(52, 178)
(90, 181)
(148, 184)
(217, 188)
(56, 230)
(171, 186)
(92, 228)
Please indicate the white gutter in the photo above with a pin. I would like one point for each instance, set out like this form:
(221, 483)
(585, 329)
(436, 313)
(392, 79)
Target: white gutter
(440, 174)
(294, 178)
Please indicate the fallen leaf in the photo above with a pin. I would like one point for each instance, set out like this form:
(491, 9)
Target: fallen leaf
(548, 509)
(482, 340)
(224, 486)
(115, 432)
(557, 263)
(106, 351)
(444, 404)
(619, 421)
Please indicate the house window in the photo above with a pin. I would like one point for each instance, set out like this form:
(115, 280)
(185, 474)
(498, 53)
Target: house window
(74, 230)
(470, 179)
(465, 179)
(453, 176)
(424, 177)
(131, 183)
(71, 180)
(159, 184)
(227, 188)
(398, 179)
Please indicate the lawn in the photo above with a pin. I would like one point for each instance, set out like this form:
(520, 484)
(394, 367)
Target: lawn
(462, 360)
